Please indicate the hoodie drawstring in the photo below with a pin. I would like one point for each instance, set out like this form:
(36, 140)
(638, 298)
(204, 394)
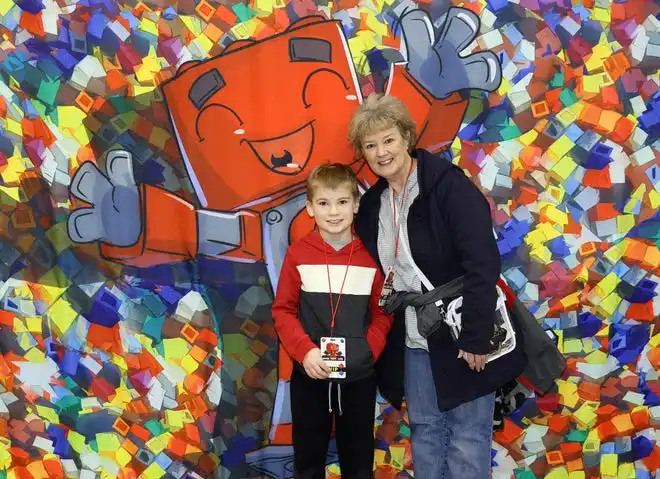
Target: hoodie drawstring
(338, 397)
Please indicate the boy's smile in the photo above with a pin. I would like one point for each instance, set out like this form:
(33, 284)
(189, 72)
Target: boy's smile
(333, 211)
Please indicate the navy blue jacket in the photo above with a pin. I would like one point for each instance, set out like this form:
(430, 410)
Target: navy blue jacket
(450, 233)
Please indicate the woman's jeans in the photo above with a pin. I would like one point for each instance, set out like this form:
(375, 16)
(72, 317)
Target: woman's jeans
(455, 444)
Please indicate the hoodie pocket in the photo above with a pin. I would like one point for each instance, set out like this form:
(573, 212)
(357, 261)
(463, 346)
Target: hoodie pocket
(359, 358)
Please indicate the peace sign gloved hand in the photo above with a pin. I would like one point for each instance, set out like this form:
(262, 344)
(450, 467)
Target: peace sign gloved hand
(434, 59)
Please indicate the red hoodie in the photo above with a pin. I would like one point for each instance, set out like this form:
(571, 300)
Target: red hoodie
(301, 310)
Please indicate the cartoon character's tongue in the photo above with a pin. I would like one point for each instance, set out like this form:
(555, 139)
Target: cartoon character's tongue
(283, 160)
(286, 154)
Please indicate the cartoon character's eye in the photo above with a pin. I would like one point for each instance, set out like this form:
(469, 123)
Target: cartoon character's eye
(205, 87)
(310, 50)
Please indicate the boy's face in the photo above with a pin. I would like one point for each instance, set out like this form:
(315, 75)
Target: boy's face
(333, 211)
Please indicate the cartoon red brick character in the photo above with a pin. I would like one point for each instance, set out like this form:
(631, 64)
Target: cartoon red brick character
(331, 352)
(250, 124)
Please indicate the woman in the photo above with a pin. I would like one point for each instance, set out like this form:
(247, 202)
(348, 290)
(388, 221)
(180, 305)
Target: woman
(425, 207)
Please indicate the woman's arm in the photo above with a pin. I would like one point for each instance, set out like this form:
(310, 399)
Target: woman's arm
(471, 228)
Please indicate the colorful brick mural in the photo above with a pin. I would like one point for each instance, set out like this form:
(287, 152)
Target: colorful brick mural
(152, 155)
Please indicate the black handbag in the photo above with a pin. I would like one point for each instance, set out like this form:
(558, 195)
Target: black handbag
(545, 363)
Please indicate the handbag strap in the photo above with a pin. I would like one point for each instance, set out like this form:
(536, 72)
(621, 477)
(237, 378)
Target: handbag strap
(451, 288)
(422, 276)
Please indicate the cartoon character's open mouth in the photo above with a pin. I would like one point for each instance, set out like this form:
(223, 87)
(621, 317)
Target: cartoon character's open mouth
(286, 154)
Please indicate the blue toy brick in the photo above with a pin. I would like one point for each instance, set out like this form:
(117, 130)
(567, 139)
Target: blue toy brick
(573, 133)
(133, 22)
(78, 44)
(70, 361)
(608, 448)
(68, 263)
(503, 247)
(169, 295)
(31, 6)
(512, 33)
(641, 447)
(623, 444)
(104, 310)
(627, 341)
(644, 291)
(572, 184)
(649, 120)
(6, 146)
(620, 269)
(163, 460)
(95, 27)
(169, 14)
(65, 60)
(496, 5)
(589, 324)
(558, 247)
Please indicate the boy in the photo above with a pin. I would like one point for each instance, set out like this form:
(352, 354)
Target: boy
(327, 317)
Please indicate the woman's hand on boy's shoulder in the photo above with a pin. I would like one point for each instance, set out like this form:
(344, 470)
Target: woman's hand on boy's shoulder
(314, 366)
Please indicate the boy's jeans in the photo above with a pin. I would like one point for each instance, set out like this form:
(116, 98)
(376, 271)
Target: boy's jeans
(455, 444)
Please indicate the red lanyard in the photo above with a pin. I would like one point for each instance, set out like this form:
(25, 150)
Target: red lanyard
(397, 223)
(334, 308)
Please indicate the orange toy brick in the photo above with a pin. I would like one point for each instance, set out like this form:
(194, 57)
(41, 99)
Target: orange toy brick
(571, 450)
(575, 465)
(54, 468)
(559, 424)
(509, 432)
(640, 418)
(589, 391)
(554, 458)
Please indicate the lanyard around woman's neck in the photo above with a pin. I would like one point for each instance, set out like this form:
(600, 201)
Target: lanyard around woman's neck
(397, 223)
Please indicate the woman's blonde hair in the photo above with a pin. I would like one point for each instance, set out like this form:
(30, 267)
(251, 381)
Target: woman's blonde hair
(377, 113)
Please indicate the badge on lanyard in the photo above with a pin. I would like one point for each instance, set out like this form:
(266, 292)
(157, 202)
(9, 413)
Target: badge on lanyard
(387, 289)
(388, 284)
(333, 349)
(333, 352)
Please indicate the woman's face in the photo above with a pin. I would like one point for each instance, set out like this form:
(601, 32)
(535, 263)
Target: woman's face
(386, 153)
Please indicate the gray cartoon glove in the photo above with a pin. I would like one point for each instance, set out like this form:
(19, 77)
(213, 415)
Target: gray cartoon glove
(434, 59)
(114, 215)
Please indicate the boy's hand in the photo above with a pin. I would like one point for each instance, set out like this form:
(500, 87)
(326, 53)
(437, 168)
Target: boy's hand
(314, 366)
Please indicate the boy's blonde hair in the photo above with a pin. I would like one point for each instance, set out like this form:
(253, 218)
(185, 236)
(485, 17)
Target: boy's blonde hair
(377, 113)
(331, 175)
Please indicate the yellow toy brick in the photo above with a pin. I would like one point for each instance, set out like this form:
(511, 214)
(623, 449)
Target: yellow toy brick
(558, 473)
(123, 457)
(586, 414)
(608, 306)
(560, 147)
(154, 471)
(608, 465)
(654, 199)
(563, 168)
(606, 285)
(626, 471)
